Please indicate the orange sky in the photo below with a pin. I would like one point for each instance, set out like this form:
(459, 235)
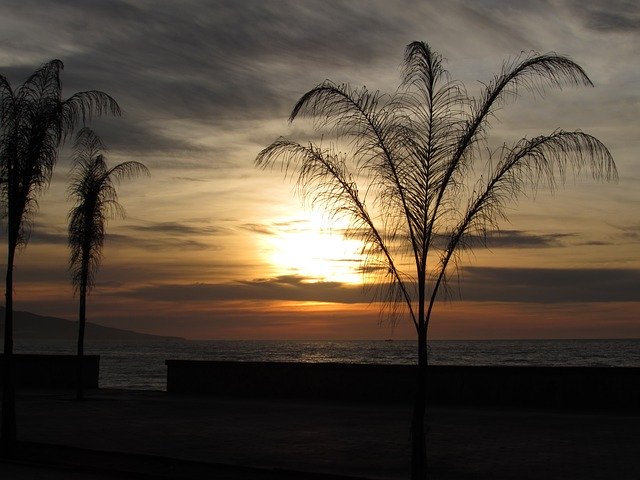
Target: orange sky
(214, 248)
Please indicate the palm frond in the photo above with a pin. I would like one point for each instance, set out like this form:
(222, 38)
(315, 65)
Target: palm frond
(91, 187)
(375, 124)
(127, 171)
(534, 73)
(35, 121)
(544, 160)
(404, 183)
(83, 106)
(324, 177)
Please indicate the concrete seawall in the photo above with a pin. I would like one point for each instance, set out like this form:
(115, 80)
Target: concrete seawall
(53, 371)
(555, 387)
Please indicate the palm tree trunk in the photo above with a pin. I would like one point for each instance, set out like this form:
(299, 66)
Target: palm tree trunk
(418, 434)
(80, 359)
(8, 426)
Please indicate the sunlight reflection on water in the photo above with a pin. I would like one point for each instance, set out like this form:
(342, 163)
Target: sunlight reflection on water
(141, 365)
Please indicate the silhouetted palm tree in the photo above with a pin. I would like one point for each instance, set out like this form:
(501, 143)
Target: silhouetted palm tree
(35, 120)
(419, 182)
(96, 200)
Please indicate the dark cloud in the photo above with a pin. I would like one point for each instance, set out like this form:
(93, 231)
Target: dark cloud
(39, 233)
(274, 228)
(158, 243)
(46, 237)
(166, 236)
(259, 228)
(596, 243)
(224, 62)
(173, 56)
(630, 232)
(546, 285)
(483, 284)
(520, 239)
(210, 62)
(118, 271)
(372, 269)
(512, 239)
(493, 239)
(488, 18)
(192, 179)
(287, 287)
(127, 136)
(175, 228)
(58, 274)
(608, 16)
(496, 239)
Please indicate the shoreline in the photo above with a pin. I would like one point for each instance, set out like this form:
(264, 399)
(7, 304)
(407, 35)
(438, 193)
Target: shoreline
(564, 387)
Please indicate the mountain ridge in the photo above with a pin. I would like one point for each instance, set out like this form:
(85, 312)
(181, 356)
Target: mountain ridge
(31, 326)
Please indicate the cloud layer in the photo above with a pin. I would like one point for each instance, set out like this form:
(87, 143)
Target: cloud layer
(206, 84)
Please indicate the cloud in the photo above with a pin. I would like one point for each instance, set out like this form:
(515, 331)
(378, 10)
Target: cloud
(159, 52)
(616, 16)
(221, 62)
(166, 236)
(494, 238)
(158, 243)
(547, 285)
(192, 179)
(286, 287)
(165, 62)
(521, 239)
(162, 236)
(46, 237)
(481, 284)
(41, 231)
(259, 228)
(511, 239)
(205, 85)
(175, 228)
(630, 232)
(136, 137)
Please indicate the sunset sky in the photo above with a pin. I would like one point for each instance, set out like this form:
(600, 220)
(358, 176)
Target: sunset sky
(213, 248)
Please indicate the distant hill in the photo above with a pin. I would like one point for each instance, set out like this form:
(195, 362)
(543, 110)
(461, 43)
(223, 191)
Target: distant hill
(37, 327)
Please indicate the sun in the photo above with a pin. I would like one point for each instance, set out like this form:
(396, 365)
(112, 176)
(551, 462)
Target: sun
(308, 246)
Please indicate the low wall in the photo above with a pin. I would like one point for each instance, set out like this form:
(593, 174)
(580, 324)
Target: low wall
(557, 387)
(53, 371)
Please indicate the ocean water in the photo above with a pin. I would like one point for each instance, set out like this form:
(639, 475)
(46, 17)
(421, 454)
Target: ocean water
(141, 365)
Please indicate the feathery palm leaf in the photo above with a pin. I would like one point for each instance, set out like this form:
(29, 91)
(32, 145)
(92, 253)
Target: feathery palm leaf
(92, 187)
(405, 182)
(34, 121)
(414, 150)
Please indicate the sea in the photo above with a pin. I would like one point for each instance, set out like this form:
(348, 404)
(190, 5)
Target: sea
(140, 365)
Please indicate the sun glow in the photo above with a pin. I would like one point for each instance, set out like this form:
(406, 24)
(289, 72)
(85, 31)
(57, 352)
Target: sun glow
(306, 245)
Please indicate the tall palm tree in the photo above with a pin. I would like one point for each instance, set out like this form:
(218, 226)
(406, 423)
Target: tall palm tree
(34, 121)
(419, 181)
(92, 187)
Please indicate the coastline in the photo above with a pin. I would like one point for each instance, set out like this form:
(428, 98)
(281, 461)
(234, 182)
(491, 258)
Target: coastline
(142, 365)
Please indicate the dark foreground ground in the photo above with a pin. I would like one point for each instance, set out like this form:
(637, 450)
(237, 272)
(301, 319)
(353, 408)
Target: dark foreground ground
(152, 435)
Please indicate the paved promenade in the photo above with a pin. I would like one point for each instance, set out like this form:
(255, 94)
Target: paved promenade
(127, 434)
